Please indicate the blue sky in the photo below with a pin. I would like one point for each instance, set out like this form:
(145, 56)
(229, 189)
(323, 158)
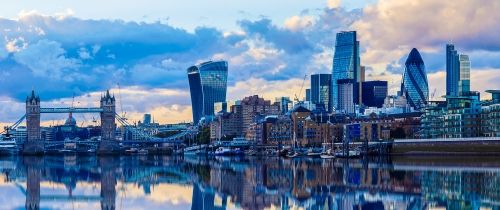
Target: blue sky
(66, 48)
(187, 14)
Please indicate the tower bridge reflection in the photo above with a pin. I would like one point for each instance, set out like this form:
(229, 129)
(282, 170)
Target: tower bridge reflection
(259, 184)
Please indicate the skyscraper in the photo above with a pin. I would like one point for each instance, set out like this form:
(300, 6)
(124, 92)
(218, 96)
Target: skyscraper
(452, 70)
(374, 93)
(464, 80)
(208, 85)
(346, 88)
(321, 90)
(414, 85)
(346, 62)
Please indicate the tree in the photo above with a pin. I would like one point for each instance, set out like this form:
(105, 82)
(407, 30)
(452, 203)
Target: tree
(203, 137)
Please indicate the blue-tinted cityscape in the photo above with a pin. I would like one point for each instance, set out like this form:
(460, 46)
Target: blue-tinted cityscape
(380, 104)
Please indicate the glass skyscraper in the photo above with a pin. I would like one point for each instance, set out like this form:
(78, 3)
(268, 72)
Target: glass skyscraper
(208, 85)
(321, 90)
(464, 80)
(374, 93)
(346, 63)
(414, 85)
(452, 70)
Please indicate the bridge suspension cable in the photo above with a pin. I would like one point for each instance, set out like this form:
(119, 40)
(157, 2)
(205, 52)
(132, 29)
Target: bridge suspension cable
(14, 126)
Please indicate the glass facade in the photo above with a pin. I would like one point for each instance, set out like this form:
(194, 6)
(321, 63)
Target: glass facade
(414, 85)
(208, 85)
(452, 70)
(464, 82)
(345, 62)
(346, 88)
(374, 93)
(320, 90)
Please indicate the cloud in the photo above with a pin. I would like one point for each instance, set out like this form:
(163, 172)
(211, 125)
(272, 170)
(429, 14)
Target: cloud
(296, 23)
(46, 59)
(468, 23)
(332, 4)
(290, 41)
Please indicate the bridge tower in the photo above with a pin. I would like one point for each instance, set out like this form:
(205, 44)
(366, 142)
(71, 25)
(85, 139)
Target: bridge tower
(108, 143)
(33, 144)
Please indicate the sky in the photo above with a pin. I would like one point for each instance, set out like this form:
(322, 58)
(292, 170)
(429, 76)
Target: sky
(141, 50)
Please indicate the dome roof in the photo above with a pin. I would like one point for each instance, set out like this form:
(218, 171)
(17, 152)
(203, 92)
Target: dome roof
(70, 120)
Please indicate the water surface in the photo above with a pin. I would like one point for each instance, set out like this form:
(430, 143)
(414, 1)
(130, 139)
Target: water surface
(164, 182)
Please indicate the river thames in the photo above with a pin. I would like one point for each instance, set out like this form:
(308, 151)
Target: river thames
(166, 182)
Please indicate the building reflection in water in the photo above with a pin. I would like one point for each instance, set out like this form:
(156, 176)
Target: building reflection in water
(258, 184)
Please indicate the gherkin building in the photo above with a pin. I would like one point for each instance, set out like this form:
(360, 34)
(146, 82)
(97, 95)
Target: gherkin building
(414, 85)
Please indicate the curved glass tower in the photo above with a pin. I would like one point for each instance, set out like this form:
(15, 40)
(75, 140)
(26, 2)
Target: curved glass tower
(208, 85)
(345, 63)
(414, 85)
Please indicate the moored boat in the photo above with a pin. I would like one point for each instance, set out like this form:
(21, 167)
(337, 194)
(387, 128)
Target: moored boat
(328, 154)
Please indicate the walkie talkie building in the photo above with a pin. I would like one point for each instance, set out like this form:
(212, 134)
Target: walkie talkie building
(208, 85)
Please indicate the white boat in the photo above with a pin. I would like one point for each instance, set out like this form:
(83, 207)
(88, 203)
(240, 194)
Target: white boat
(223, 151)
(132, 150)
(292, 155)
(8, 147)
(312, 153)
(143, 152)
(328, 154)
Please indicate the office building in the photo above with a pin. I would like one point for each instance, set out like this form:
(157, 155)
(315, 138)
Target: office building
(452, 70)
(147, 119)
(208, 85)
(284, 103)
(414, 85)
(346, 89)
(308, 94)
(374, 93)
(346, 63)
(321, 91)
(464, 80)
(490, 115)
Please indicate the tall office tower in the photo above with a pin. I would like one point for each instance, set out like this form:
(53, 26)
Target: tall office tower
(360, 84)
(452, 70)
(362, 70)
(320, 90)
(346, 63)
(308, 94)
(374, 93)
(146, 119)
(464, 80)
(345, 89)
(414, 85)
(285, 104)
(208, 85)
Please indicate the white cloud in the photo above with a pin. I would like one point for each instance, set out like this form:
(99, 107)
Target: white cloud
(391, 23)
(296, 23)
(84, 54)
(332, 4)
(46, 58)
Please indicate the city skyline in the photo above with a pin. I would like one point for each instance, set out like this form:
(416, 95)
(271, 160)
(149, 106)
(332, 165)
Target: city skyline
(267, 57)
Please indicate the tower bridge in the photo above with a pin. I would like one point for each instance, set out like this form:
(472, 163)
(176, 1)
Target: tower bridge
(34, 144)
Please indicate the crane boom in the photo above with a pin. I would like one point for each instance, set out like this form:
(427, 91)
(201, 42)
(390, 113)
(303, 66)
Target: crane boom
(301, 88)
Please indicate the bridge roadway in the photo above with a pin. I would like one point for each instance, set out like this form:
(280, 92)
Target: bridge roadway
(72, 110)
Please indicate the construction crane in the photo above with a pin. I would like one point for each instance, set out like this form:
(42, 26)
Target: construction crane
(123, 114)
(433, 93)
(301, 88)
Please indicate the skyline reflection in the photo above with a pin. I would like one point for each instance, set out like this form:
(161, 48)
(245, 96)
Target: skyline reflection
(165, 182)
